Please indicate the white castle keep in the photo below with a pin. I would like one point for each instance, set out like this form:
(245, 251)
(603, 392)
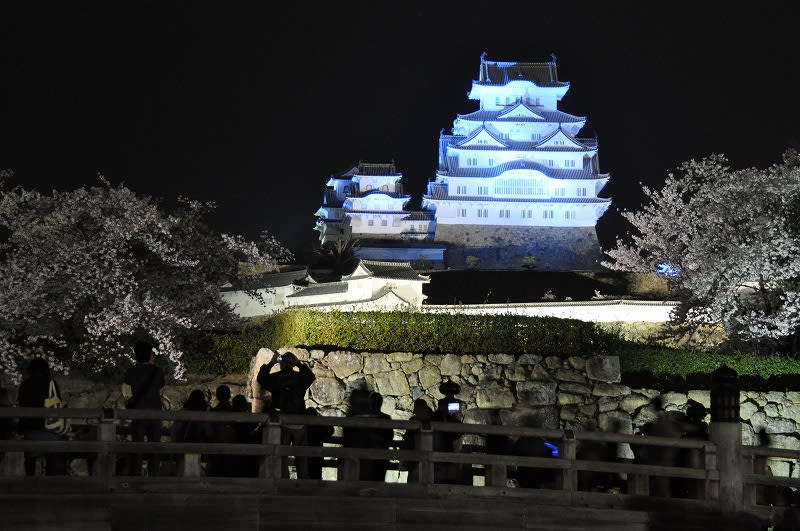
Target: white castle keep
(514, 181)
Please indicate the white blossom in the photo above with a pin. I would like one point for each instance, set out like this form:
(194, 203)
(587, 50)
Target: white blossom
(86, 272)
(734, 235)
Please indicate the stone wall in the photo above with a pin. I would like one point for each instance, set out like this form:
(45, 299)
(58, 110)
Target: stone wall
(499, 247)
(573, 393)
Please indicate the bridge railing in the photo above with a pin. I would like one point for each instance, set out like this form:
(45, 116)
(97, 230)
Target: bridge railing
(100, 437)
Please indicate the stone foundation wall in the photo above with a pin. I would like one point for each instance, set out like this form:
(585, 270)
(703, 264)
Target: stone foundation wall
(499, 247)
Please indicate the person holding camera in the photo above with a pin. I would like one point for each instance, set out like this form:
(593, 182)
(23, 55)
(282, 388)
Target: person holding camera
(143, 383)
(288, 389)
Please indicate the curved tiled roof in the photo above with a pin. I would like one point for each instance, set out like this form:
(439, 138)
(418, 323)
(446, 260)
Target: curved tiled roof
(502, 73)
(390, 270)
(487, 199)
(494, 171)
(481, 130)
(549, 115)
(324, 288)
(533, 146)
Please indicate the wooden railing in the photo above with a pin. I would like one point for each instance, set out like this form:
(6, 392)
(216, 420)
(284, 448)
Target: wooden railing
(489, 471)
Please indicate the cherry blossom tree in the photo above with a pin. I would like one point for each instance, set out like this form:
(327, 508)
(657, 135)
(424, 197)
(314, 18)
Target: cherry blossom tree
(84, 273)
(729, 242)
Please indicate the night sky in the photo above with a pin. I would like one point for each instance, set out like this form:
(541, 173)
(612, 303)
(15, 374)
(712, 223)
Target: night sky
(255, 106)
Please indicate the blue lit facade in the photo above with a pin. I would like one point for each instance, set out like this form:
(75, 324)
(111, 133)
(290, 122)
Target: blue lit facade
(514, 179)
(367, 202)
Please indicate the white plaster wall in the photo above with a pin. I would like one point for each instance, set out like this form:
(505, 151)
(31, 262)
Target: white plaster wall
(593, 311)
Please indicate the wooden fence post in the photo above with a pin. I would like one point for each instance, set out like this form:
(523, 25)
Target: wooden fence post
(726, 434)
(569, 476)
(12, 464)
(425, 445)
(270, 466)
(105, 463)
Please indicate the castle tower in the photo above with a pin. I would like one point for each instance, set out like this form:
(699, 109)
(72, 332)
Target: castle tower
(366, 202)
(514, 179)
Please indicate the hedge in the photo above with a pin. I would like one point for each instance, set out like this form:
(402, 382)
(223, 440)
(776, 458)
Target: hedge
(642, 364)
(231, 352)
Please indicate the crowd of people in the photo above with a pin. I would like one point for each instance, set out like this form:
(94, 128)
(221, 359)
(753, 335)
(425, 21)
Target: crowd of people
(284, 394)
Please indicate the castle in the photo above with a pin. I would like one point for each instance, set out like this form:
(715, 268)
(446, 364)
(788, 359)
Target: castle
(515, 185)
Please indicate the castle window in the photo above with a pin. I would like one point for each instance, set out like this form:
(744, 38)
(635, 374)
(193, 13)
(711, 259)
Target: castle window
(569, 163)
(472, 161)
(383, 223)
(547, 214)
(569, 214)
(491, 162)
(527, 214)
(560, 192)
(370, 222)
(482, 141)
(461, 212)
(505, 213)
(483, 190)
(581, 192)
(550, 162)
(520, 186)
(497, 100)
(483, 213)
(461, 190)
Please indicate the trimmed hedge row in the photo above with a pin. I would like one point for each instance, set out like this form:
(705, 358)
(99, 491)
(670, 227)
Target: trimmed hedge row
(396, 332)
(644, 365)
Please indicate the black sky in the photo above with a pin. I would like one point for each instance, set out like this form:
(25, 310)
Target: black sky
(253, 106)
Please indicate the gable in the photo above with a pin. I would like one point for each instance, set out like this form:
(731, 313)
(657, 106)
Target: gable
(483, 139)
(559, 139)
(520, 111)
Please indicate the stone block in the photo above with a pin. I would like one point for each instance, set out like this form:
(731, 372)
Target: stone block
(553, 362)
(529, 359)
(747, 409)
(515, 373)
(429, 376)
(673, 400)
(569, 375)
(400, 356)
(606, 389)
(564, 399)
(606, 403)
(344, 364)
(604, 369)
(578, 389)
(375, 363)
(537, 393)
(502, 359)
(411, 366)
(494, 396)
(568, 413)
(780, 426)
(632, 402)
(703, 397)
(577, 363)
(451, 365)
(327, 391)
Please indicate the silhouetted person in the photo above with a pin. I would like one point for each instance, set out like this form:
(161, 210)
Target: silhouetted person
(222, 432)
(531, 477)
(32, 393)
(246, 433)
(452, 473)
(223, 395)
(316, 437)
(145, 381)
(288, 389)
(693, 427)
(192, 430)
(364, 404)
(664, 425)
(422, 412)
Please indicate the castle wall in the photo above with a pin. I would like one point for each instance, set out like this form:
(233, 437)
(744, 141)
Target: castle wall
(499, 247)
